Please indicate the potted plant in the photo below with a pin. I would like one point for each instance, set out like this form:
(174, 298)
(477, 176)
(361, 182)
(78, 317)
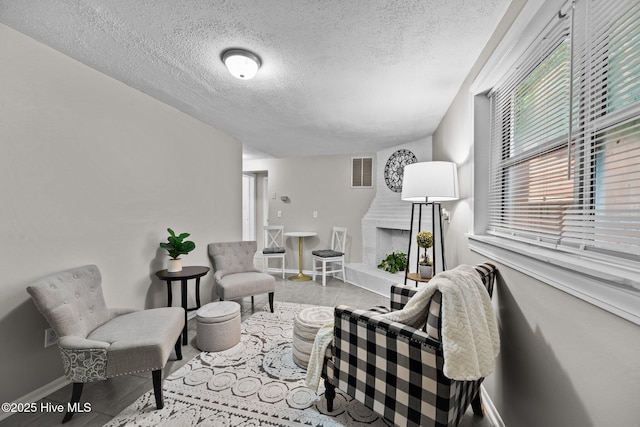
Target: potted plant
(425, 241)
(176, 246)
(394, 262)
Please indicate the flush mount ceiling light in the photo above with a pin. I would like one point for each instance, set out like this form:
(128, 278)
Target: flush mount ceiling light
(241, 63)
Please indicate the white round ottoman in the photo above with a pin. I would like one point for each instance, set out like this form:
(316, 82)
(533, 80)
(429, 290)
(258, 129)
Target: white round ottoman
(305, 327)
(218, 326)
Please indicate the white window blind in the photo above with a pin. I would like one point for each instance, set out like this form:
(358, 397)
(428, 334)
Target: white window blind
(565, 135)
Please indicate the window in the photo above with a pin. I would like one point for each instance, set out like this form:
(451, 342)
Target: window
(362, 172)
(565, 136)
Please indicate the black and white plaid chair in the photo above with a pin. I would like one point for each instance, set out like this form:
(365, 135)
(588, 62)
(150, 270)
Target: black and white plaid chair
(396, 370)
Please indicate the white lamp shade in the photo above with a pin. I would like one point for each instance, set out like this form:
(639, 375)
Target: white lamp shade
(430, 182)
(241, 64)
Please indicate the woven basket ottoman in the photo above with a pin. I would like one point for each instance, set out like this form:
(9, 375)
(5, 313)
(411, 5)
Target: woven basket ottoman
(218, 326)
(305, 327)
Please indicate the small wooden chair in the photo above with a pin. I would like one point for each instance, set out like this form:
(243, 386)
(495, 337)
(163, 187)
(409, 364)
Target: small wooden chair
(333, 256)
(273, 246)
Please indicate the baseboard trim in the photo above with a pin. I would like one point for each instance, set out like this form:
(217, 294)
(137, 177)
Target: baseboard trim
(492, 412)
(38, 394)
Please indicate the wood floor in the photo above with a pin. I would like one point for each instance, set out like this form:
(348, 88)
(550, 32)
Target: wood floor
(110, 397)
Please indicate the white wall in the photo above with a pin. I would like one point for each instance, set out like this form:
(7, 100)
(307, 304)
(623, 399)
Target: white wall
(93, 171)
(387, 210)
(321, 184)
(563, 361)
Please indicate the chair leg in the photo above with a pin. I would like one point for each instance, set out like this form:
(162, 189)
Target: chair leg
(178, 348)
(75, 398)
(157, 387)
(251, 299)
(313, 269)
(476, 404)
(271, 301)
(329, 394)
(324, 273)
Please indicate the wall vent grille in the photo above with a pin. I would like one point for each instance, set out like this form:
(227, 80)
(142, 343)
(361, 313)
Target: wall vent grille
(362, 172)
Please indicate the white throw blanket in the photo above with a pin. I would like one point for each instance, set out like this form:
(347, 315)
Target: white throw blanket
(316, 358)
(470, 338)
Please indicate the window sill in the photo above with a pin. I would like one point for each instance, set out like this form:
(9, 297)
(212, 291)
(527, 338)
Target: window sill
(611, 285)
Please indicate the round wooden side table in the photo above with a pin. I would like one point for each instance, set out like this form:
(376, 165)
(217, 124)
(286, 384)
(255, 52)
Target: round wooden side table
(416, 277)
(187, 273)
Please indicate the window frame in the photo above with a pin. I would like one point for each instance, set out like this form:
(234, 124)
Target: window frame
(609, 282)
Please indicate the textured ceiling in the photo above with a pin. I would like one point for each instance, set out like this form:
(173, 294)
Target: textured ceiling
(337, 76)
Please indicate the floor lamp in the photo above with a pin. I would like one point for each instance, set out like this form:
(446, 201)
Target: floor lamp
(429, 183)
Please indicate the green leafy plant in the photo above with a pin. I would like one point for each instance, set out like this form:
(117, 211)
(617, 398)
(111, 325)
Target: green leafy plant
(394, 262)
(177, 246)
(424, 239)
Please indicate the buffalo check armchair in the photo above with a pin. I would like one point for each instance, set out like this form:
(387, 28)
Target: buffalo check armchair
(396, 370)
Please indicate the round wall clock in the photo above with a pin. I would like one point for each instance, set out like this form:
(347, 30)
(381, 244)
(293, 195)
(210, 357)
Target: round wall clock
(394, 169)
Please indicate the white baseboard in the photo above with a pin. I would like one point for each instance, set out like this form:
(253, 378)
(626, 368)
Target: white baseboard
(492, 412)
(38, 394)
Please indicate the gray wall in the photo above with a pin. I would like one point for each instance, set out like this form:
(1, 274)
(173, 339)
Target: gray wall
(322, 184)
(94, 171)
(563, 361)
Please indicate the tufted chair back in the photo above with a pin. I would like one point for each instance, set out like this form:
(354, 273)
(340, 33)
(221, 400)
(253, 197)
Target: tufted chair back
(235, 274)
(232, 257)
(71, 300)
(97, 343)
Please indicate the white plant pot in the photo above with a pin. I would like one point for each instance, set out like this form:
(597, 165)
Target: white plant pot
(426, 271)
(174, 265)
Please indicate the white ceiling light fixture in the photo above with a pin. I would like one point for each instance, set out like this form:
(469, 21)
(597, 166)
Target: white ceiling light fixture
(242, 64)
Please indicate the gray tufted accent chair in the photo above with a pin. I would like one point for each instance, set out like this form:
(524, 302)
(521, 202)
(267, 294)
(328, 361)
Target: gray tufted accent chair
(235, 275)
(97, 343)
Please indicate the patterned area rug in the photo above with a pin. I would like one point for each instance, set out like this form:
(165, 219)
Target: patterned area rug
(252, 384)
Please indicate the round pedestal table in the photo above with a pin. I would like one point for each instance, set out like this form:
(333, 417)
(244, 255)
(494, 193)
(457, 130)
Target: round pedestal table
(300, 277)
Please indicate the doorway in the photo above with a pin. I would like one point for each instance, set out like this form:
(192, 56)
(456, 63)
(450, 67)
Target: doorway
(248, 206)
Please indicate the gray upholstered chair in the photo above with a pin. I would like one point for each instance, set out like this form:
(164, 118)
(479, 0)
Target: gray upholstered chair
(235, 274)
(97, 343)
